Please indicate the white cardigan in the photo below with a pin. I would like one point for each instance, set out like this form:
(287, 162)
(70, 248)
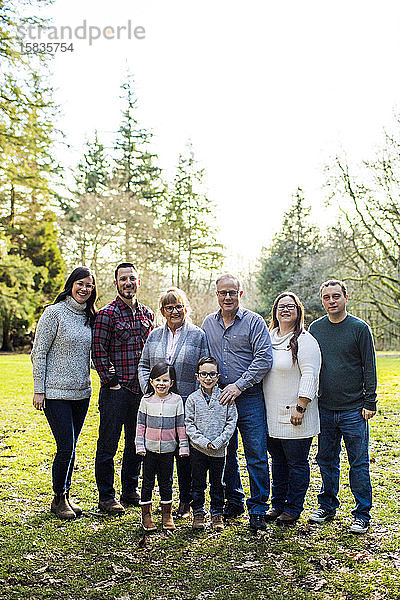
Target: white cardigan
(286, 381)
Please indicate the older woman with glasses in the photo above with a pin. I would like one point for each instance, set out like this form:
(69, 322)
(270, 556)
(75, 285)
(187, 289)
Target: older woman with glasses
(290, 392)
(180, 344)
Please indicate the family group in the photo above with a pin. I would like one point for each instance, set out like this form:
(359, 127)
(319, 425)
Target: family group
(183, 393)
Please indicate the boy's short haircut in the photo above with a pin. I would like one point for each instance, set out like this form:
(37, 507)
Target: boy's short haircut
(207, 360)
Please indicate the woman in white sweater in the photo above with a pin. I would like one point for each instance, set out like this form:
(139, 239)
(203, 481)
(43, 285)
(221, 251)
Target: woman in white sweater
(290, 391)
(61, 376)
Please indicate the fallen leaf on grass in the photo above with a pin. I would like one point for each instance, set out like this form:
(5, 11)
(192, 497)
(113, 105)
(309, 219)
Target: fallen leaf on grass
(119, 569)
(394, 556)
(48, 579)
(250, 564)
(359, 556)
(95, 526)
(320, 584)
(41, 570)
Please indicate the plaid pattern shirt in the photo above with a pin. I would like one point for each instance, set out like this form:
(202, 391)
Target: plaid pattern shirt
(118, 338)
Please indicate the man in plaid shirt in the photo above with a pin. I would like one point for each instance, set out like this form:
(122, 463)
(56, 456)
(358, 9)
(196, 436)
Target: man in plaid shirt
(119, 333)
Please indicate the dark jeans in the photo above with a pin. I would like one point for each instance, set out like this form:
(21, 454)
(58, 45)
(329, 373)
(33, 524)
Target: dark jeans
(290, 473)
(184, 473)
(252, 425)
(350, 425)
(118, 408)
(162, 465)
(66, 418)
(201, 463)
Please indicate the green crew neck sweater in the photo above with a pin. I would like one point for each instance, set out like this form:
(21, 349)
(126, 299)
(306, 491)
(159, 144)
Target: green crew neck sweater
(348, 373)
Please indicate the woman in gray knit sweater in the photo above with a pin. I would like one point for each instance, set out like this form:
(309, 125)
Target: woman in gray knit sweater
(61, 376)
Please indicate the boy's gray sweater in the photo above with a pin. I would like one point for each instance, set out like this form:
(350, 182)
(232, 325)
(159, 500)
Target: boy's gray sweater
(209, 422)
(61, 352)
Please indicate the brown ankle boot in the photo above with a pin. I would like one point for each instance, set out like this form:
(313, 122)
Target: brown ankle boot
(147, 519)
(75, 507)
(61, 508)
(167, 520)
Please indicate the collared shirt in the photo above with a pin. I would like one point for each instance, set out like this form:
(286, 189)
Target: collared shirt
(243, 349)
(118, 338)
(172, 342)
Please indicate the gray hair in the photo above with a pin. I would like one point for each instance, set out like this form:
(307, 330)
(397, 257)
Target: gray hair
(229, 276)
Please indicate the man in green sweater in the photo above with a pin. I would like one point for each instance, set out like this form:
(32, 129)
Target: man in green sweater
(347, 400)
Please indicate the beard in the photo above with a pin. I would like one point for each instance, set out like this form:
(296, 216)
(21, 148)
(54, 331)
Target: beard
(128, 294)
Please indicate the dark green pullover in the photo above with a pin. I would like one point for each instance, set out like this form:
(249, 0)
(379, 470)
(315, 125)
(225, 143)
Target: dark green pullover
(348, 373)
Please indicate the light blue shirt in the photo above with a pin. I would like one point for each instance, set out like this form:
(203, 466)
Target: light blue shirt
(243, 349)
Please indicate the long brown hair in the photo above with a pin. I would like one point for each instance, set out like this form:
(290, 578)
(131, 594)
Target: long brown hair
(81, 273)
(298, 326)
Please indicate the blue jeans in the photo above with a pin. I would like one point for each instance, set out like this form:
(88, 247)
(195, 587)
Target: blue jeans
(350, 425)
(66, 418)
(290, 473)
(252, 425)
(118, 408)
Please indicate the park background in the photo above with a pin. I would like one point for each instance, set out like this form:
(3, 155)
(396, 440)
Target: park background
(261, 139)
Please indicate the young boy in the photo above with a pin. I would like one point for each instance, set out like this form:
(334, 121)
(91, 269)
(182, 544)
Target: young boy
(209, 427)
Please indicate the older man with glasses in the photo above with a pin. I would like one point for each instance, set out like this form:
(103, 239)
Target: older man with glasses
(239, 340)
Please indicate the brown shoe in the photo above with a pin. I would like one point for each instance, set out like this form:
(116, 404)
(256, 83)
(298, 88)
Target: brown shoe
(183, 511)
(286, 519)
(147, 519)
(61, 508)
(130, 499)
(272, 514)
(75, 507)
(167, 520)
(217, 522)
(198, 521)
(111, 507)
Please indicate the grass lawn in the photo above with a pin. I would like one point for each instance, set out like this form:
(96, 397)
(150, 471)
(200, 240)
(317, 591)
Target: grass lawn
(100, 558)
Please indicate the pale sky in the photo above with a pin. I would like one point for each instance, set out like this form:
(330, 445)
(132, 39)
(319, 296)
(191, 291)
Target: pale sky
(268, 92)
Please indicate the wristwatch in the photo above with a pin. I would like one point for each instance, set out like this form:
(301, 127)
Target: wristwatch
(300, 409)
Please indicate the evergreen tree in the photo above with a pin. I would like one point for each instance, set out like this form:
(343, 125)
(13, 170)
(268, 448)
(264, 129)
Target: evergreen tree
(27, 225)
(89, 225)
(189, 215)
(285, 264)
(137, 180)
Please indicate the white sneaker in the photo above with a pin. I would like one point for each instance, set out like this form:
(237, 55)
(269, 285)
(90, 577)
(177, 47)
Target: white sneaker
(359, 526)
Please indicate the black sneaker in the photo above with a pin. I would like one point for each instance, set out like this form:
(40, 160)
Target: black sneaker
(320, 515)
(231, 511)
(359, 526)
(257, 522)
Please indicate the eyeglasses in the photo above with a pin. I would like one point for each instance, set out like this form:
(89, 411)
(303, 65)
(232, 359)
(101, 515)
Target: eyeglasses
(204, 375)
(170, 309)
(282, 307)
(81, 285)
(224, 293)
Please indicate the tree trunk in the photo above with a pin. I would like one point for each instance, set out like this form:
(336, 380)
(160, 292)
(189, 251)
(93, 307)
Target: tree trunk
(7, 345)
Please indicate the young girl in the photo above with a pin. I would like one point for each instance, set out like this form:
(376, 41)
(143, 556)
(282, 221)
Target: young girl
(160, 422)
